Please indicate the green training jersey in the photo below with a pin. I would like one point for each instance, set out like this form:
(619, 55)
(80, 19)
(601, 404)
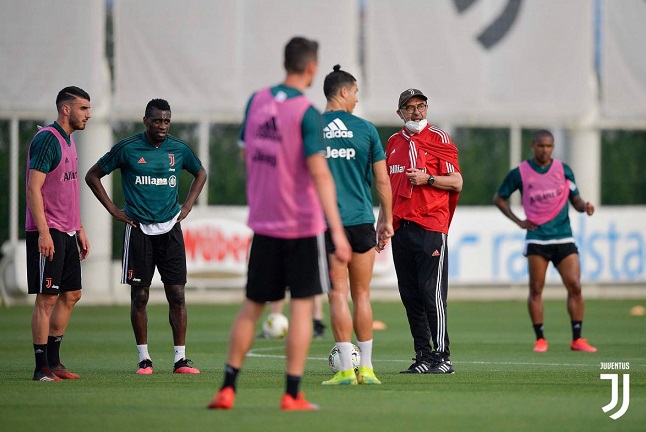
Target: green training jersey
(557, 228)
(150, 175)
(310, 125)
(352, 146)
(45, 150)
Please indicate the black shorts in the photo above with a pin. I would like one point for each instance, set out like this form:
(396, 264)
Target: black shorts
(62, 274)
(362, 238)
(142, 253)
(276, 264)
(551, 252)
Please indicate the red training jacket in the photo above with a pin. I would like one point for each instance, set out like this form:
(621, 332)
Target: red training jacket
(432, 151)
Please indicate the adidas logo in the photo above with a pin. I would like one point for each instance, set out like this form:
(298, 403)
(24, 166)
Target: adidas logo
(445, 367)
(336, 129)
(45, 378)
(141, 161)
(436, 253)
(67, 160)
(421, 368)
(269, 130)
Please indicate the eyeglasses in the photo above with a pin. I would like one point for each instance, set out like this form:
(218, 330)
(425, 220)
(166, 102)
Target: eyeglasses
(410, 109)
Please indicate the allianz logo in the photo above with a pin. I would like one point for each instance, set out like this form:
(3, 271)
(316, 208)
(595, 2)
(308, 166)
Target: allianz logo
(336, 129)
(396, 169)
(70, 175)
(156, 181)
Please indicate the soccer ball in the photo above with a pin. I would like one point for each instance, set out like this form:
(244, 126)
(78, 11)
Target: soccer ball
(275, 326)
(334, 361)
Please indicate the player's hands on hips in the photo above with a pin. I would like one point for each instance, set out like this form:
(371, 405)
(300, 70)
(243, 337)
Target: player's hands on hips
(183, 213)
(121, 215)
(343, 251)
(528, 225)
(84, 244)
(46, 245)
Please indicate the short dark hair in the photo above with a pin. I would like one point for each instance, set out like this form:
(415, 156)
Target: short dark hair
(160, 104)
(69, 94)
(542, 133)
(298, 53)
(335, 80)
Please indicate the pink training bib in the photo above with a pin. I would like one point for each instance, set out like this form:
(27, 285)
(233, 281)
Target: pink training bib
(544, 195)
(60, 190)
(282, 198)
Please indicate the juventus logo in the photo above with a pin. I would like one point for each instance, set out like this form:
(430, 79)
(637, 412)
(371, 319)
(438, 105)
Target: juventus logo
(172, 159)
(129, 274)
(500, 27)
(614, 399)
(48, 282)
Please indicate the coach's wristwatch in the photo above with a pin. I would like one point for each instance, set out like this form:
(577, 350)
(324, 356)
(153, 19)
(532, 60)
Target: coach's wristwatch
(431, 179)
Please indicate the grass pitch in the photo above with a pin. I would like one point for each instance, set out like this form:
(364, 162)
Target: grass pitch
(499, 384)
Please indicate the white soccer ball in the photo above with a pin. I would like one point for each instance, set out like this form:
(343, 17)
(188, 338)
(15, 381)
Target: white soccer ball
(335, 362)
(275, 326)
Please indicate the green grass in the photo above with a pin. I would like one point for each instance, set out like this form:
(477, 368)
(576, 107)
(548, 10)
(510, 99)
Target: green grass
(499, 384)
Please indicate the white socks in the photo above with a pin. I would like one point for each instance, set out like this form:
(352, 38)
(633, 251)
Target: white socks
(366, 353)
(345, 355)
(143, 352)
(180, 353)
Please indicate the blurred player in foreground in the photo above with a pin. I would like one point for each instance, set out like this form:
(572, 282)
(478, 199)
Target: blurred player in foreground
(56, 241)
(355, 155)
(546, 186)
(289, 189)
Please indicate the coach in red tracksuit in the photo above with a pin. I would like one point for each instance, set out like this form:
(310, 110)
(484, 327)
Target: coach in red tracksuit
(426, 183)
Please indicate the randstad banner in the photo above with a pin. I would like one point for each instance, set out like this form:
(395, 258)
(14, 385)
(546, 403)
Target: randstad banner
(485, 248)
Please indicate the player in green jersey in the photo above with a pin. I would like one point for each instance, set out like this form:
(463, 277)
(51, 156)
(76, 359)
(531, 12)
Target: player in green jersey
(55, 238)
(150, 164)
(355, 155)
(546, 185)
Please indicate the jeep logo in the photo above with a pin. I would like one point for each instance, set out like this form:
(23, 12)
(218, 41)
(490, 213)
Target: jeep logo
(343, 153)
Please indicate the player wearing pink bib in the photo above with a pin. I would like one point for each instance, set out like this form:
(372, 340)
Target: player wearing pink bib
(54, 237)
(546, 185)
(289, 189)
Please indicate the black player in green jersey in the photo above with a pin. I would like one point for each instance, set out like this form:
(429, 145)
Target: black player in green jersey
(547, 185)
(150, 164)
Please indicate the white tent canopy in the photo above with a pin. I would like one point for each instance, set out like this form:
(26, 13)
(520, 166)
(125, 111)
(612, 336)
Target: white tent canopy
(46, 46)
(206, 57)
(534, 65)
(623, 64)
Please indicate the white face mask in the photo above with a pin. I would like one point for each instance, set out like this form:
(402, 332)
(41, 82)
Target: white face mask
(416, 126)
